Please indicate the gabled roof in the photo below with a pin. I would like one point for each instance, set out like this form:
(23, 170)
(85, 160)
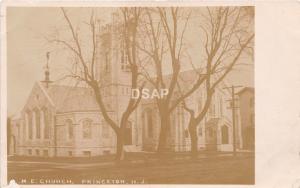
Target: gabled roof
(71, 98)
(16, 116)
(187, 78)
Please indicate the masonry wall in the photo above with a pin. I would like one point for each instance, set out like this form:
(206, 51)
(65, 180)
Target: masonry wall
(98, 140)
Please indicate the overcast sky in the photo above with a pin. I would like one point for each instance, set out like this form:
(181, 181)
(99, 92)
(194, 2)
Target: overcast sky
(27, 49)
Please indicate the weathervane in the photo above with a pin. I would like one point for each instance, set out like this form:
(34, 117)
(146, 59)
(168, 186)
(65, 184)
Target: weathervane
(47, 72)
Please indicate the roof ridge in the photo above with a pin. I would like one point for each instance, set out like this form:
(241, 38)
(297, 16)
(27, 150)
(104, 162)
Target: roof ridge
(67, 86)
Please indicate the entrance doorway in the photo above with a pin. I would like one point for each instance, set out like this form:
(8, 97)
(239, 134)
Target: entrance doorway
(211, 138)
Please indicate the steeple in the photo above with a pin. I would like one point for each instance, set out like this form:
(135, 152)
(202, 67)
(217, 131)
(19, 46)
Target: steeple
(47, 71)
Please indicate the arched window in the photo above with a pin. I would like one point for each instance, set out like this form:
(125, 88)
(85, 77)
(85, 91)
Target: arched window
(105, 129)
(200, 132)
(186, 133)
(37, 123)
(124, 59)
(29, 123)
(107, 62)
(212, 109)
(221, 107)
(225, 137)
(70, 128)
(18, 130)
(200, 102)
(149, 124)
(87, 129)
(47, 123)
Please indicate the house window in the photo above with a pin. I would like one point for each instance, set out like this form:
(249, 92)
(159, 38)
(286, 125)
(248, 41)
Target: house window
(70, 153)
(37, 152)
(87, 129)
(29, 152)
(45, 153)
(70, 128)
(37, 123)
(87, 153)
(225, 138)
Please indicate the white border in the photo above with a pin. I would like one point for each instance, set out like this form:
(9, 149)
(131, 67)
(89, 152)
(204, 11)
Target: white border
(277, 85)
(66, 3)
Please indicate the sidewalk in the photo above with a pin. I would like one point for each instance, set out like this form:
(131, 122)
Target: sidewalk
(130, 158)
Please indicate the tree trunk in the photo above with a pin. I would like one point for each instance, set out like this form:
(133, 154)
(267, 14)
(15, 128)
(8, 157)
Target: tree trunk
(163, 135)
(120, 146)
(194, 139)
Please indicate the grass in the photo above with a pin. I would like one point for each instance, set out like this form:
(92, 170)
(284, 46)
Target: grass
(172, 169)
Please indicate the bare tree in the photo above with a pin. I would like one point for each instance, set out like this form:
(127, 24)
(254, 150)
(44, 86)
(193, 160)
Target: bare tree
(85, 66)
(228, 34)
(164, 30)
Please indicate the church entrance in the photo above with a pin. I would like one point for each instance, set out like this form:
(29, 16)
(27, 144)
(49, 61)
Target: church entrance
(128, 134)
(211, 139)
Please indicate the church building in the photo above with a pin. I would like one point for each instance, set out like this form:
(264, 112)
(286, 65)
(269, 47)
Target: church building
(65, 121)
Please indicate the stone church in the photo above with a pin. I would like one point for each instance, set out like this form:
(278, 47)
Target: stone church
(65, 121)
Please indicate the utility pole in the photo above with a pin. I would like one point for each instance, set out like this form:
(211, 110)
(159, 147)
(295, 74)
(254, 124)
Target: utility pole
(233, 107)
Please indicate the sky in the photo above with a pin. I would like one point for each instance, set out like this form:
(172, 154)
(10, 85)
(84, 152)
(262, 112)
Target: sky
(27, 28)
(27, 48)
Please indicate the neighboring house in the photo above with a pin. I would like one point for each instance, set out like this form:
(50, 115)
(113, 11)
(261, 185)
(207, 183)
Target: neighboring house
(246, 118)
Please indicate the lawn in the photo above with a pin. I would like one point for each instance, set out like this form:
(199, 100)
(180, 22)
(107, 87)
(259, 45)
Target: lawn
(179, 169)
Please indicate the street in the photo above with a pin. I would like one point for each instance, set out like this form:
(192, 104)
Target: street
(216, 169)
